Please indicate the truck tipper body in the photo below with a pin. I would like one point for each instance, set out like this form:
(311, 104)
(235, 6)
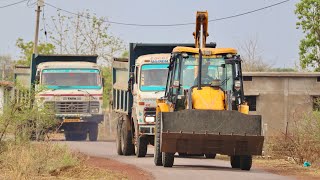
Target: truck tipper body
(73, 87)
(137, 82)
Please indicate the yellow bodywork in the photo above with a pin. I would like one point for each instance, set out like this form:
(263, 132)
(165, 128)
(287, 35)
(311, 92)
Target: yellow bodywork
(243, 108)
(162, 106)
(211, 51)
(208, 98)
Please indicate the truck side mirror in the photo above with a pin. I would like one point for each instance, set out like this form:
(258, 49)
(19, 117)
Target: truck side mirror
(131, 82)
(102, 82)
(37, 79)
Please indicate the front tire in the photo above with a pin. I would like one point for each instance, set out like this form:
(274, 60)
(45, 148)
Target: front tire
(93, 132)
(167, 159)
(142, 146)
(157, 153)
(245, 162)
(235, 161)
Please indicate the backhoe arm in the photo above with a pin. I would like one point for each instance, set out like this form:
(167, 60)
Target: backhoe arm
(201, 20)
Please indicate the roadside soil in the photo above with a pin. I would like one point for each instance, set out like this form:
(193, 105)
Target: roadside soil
(283, 167)
(286, 168)
(130, 171)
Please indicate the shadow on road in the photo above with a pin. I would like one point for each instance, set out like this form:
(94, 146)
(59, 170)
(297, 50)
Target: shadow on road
(206, 167)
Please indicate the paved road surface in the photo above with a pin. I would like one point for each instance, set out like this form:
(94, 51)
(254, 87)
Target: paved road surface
(183, 169)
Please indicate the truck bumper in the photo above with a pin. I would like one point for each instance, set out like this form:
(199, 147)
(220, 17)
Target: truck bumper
(146, 129)
(90, 118)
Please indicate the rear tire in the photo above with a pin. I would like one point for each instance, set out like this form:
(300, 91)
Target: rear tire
(142, 146)
(210, 156)
(118, 139)
(183, 155)
(93, 132)
(235, 161)
(167, 159)
(245, 162)
(157, 153)
(127, 146)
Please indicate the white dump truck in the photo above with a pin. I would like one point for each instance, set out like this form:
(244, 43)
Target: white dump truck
(73, 86)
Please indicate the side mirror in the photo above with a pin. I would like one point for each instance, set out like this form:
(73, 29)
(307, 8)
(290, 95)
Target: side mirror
(37, 79)
(131, 82)
(103, 81)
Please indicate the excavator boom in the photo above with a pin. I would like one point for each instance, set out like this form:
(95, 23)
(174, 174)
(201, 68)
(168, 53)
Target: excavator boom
(201, 32)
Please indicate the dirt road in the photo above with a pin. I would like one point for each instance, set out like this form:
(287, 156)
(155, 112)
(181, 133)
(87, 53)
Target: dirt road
(183, 169)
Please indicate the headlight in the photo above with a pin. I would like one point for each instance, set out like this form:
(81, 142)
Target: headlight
(95, 110)
(150, 119)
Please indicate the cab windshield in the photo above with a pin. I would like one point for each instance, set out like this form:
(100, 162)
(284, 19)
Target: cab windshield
(71, 78)
(212, 69)
(153, 77)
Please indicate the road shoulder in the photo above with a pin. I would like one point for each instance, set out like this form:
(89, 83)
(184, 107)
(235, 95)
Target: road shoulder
(130, 171)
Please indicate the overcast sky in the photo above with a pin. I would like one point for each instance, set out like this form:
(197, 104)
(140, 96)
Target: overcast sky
(274, 28)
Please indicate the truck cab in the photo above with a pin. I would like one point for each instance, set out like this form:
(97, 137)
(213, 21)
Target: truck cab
(150, 78)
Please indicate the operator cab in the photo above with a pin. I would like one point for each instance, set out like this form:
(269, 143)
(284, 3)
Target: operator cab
(208, 79)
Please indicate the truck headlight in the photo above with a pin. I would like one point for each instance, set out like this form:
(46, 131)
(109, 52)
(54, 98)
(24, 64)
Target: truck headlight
(150, 119)
(95, 110)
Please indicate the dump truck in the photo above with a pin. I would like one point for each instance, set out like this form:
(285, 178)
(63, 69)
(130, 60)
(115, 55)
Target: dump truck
(72, 86)
(204, 110)
(136, 84)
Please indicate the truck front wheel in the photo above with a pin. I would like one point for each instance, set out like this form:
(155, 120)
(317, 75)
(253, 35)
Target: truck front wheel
(141, 146)
(93, 132)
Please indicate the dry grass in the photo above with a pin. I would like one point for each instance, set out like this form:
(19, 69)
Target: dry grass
(47, 161)
(285, 167)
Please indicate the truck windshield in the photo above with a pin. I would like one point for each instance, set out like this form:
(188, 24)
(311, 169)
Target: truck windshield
(71, 78)
(212, 68)
(153, 77)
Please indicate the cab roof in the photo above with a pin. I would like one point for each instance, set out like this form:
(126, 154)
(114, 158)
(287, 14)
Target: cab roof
(74, 64)
(214, 51)
(160, 56)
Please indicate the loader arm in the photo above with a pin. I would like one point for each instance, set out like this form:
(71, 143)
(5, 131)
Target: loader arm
(201, 21)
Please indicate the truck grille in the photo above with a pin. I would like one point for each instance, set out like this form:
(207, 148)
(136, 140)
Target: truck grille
(72, 107)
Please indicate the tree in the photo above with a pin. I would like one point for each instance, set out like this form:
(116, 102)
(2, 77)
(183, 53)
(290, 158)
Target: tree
(308, 12)
(251, 56)
(26, 49)
(84, 34)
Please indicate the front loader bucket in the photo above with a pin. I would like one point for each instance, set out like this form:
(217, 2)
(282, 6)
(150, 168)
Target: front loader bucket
(208, 131)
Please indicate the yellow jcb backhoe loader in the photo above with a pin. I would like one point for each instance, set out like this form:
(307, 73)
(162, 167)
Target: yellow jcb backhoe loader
(203, 110)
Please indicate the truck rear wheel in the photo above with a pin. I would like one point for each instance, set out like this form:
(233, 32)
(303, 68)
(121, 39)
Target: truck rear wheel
(118, 139)
(167, 159)
(210, 156)
(157, 153)
(235, 161)
(127, 146)
(141, 146)
(93, 132)
(245, 162)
